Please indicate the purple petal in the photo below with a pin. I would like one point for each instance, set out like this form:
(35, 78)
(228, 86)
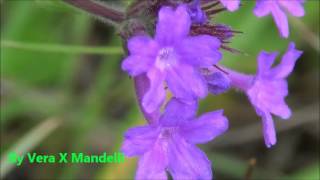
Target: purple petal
(276, 103)
(287, 62)
(218, 83)
(136, 64)
(281, 109)
(143, 51)
(265, 61)
(141, 84)
(155, 96)
(206, 128)
(186, 83)
(267, 121)
(186, 161)
(200, 51)
(293, 6)
(269, 131)
(172, 25)
(152, 164)
(281, 21)
(138, 140)
(177, 112)
(231, 5)
(268, 94)
(262, 8)
(143, 45)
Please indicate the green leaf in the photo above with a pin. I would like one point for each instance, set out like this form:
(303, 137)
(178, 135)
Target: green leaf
(28, 142)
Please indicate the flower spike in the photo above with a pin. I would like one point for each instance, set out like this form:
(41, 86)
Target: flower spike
(174, 58)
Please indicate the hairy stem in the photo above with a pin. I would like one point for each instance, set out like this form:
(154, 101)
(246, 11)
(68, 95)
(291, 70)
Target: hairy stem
(98, 9)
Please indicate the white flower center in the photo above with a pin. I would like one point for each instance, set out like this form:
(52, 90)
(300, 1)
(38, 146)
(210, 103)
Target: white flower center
(166, 58)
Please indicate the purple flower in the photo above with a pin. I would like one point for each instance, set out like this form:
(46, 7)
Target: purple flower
(197, 15)
(268, 88)
(172, 57)
(218, 82)
(231, 5)
(170, 144)
(277, 8)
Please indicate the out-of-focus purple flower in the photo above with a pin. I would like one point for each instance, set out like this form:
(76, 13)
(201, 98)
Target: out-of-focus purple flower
(172, 57)
(277, 8)
(231, 5)
(268, 88)
(198, 16)
(218, 82)
(170, 144)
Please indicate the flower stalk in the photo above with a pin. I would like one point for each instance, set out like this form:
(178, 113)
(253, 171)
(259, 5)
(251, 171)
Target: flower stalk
(97, 9)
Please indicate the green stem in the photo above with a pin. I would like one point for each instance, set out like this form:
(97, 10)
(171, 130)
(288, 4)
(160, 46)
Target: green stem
(58, 48)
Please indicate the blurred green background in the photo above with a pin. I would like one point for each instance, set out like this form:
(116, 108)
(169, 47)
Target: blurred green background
(62, 90)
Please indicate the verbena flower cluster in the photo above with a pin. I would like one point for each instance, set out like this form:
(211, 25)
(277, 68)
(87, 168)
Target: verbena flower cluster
(179, 65)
